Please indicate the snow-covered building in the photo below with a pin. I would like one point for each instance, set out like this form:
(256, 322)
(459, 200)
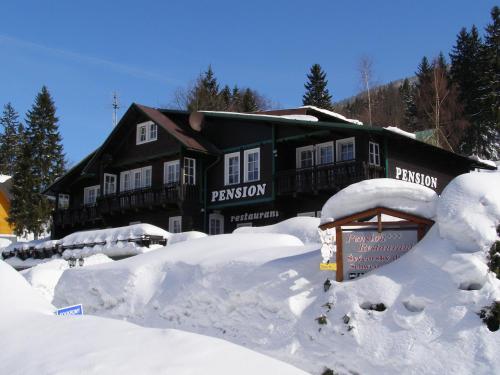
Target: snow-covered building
(215, 171)
(6, 231)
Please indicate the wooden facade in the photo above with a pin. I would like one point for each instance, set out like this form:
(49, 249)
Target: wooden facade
(215, 171)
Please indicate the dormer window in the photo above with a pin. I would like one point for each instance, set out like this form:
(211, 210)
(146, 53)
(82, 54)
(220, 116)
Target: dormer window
(146, 132)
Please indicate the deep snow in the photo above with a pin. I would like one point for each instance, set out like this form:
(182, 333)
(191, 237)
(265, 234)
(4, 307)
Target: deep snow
(264, 290)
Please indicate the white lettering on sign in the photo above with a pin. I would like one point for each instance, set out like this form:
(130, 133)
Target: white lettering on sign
(239, 192)
(416, 177)
(254, 216)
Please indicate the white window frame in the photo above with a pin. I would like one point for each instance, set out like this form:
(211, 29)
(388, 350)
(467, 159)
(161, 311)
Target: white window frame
(106, 184)
(143, 176)
(131, 176)
(122, 180)
(376, 155)
(172, 221)
(298, 155)
(217, 217)
(150, 135)
(227, 157)
(246, 154)
(338, 146)
(320, 146)
(63, 198)
(176, 164)
(86, 194)
(186, 176)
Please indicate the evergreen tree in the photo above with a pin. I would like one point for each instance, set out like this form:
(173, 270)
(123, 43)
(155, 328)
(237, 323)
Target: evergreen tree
(489, 90)
(317, 93)
(235, 99)
(226, 99)
(249, 102)
(407, 91)
(10, 139)
(41, 161)
(205, 93)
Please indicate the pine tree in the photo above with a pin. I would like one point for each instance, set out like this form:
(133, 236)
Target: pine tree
(10, 139)
(249, 102)
(407, 91)
(225, 97)
(41, 161)
(317, 93)
(205, 93)
(489, 90)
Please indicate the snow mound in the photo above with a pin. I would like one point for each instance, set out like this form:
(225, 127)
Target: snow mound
(34, 341)
(45, 276)
(381, 192)
(304, 228)
(184, 236)
(468, 211)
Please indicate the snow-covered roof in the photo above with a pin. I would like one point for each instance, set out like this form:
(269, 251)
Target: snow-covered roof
(4, 178)
(401, 131)
(381, 192)
(333, 114)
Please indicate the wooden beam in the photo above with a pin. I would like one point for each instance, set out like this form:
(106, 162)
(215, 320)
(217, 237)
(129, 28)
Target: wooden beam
(340, 265)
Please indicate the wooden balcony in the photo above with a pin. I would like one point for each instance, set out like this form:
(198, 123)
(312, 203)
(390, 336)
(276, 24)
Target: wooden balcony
(148, 198)
(330, 177)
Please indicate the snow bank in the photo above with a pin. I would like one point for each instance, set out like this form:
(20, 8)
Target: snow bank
(45, 276)
(468, 211)
(184, 236)
(304, 228)
(401, 132)
(34, 341)
(382, 192)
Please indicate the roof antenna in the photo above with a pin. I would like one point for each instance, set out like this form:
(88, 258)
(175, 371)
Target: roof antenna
(115, 106)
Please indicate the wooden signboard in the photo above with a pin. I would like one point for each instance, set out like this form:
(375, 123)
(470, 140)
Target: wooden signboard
(366, 245)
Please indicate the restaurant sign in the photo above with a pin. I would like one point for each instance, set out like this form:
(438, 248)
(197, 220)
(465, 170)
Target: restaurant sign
(367, 249)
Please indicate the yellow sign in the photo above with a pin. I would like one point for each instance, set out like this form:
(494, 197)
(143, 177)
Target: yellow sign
(328, 266)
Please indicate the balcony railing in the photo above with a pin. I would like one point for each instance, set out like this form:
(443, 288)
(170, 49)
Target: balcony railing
(170, 194)
(330, 177)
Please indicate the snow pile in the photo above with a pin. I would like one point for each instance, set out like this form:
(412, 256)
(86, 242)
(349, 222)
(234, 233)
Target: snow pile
(184, 236)
(381, 192)
(5, 241)
(467, 215)
(45, 276)
(4, 178)
(416, 315)
(401, 132)
(304, 228)
(300, 117)
(34, 341)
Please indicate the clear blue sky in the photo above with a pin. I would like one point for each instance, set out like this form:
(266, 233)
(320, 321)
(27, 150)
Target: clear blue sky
(85, 50)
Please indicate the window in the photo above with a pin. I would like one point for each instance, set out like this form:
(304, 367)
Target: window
(189, 171)
(90, 194)
(232, 168)
(251, 165)
(175, 224)
(109, 184)
(146, 132)
(306, 214)
(171, 172)
(346, 149)
(305, 157)
(216, 224)
(136, 178)
(324, 153)
(374, 153)
(63, 201)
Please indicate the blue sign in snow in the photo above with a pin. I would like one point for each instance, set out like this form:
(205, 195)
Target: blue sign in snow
(70, 310)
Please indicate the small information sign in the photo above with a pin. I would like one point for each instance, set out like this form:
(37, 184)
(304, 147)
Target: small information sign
(70, 310)
(328, 266)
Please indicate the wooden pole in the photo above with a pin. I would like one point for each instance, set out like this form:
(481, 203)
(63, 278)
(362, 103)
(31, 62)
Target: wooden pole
(340, 265)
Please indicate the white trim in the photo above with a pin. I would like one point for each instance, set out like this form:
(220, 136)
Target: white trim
(132, 180)
(306, 214)
(218, 217)
(338, 146)
(245, 164)
(105, 185)
(86, 194)
(148, 135)
(177, 171)
(319, 146)
(171, 224)
(226, 168)
(376, 155)
(194, 171)
(298, 160)
(143, 176)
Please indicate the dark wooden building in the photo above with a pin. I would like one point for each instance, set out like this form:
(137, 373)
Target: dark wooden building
(215, 171)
